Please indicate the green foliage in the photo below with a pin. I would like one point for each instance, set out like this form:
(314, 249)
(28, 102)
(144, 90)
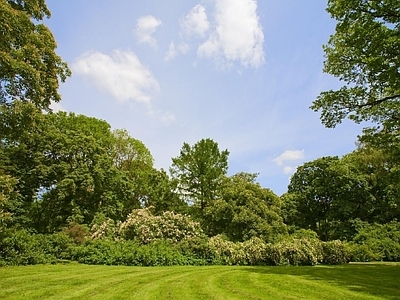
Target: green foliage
(250, 252)
(363, 53)
(19, 247)
(199, 170)
(76, 232)
(335, 252)
(30, 70)
(128, 253)
(8, 196)
(377, 242)
(295, 252)
(325, 195)
(244, 210)
(70, 167)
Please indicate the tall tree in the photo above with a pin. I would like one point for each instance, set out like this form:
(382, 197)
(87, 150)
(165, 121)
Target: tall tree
(30, 70)
(364, 53)
(199, 170)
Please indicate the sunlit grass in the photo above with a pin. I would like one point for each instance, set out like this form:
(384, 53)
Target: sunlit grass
(75, 281)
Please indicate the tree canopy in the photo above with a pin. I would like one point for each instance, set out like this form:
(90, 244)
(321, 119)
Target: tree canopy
(30, 70)
(363, 53)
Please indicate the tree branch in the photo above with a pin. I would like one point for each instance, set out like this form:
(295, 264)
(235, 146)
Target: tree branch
(379, 101)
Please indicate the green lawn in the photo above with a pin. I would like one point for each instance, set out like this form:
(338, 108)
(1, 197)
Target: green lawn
(75, 281)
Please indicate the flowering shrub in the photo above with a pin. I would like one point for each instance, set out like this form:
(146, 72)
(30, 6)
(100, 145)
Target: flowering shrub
(106, 229)
(145, 228)
(335, 252)
(250, 252)
(295, 252)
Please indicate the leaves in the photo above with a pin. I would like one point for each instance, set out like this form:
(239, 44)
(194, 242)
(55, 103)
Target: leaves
(364, 54)
(30, 70)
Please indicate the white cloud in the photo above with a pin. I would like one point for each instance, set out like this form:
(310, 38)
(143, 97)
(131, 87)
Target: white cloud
(122, 75)
(195, 22)
(173, 50)
(237, 35)
(289, 155)
(145, 27)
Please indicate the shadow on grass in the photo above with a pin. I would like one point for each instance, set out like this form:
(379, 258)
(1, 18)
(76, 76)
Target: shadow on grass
(378, 279)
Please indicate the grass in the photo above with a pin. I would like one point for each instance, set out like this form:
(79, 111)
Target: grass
(75, 281)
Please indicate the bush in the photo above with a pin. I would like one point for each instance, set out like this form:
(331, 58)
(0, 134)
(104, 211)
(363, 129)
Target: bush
(335, 252)
(129, 253)
(19, 247)
(377, 242)
(295, 252)
(76, 232)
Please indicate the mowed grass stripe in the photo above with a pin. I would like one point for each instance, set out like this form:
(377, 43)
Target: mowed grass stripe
(75, 281)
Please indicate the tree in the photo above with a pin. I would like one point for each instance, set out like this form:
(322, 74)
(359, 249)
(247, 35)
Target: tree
(328, 194)
(244, 210)
(30, 70)
(8, 195)
(364, 54)
(199, 170)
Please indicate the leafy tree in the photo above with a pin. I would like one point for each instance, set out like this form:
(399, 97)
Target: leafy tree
(199, 170)
(245, 210)
(381, 170)
(30, 70)
(8, 195)
(161, 195)
(328, 193)
(364, 54)
(65, 168)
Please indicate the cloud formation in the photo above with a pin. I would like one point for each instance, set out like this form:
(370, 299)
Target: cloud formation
(173, 50)
(236, 36)
(195, 22)
(288, 155)
(145, 27)
(121, 75)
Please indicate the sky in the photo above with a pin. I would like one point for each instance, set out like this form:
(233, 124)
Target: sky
(241, 72)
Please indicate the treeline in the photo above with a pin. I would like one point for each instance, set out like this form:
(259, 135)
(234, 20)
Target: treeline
(73, 189)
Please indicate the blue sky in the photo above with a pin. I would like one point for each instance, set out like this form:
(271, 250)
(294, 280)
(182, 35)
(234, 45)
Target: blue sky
(242, 72)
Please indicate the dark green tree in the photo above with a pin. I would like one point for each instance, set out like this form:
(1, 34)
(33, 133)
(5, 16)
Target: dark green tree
(199, 170)
(328, 193)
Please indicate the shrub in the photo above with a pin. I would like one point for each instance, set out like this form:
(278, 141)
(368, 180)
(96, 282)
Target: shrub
(145, 228)
(335, 252)
(377, 242)
(129, 253)
(295, 252)
(19, 247)
(76, 232)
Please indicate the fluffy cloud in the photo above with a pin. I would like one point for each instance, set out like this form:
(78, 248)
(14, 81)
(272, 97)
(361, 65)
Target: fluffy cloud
(288, 155)
(122, 75)
(145, 27)
(237, 35)
(173, 50)
(195, 22)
